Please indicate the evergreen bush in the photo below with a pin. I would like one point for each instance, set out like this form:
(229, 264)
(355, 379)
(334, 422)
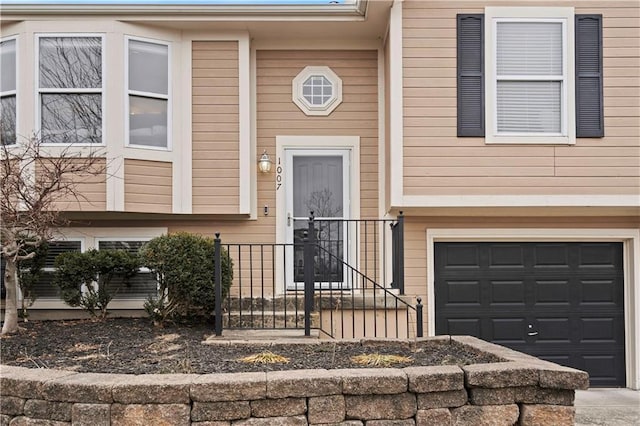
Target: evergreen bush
(184, 266)
(85, 279)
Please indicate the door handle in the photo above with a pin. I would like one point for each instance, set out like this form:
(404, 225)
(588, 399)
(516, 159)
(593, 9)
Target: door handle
(289, 219)
(532, 333)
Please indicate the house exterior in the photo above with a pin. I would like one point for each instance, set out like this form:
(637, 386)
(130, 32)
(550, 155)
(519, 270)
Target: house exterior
(506, 132)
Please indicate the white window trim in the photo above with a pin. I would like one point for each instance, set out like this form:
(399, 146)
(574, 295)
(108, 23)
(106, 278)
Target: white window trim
(38, 91)
(150, 95)
(565, 15)
(302, 103)
(14, 92)
(631, 266)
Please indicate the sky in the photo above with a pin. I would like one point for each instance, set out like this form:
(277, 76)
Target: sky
(172, 2)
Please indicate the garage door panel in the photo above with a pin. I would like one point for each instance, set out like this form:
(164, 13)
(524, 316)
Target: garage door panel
(508, 330)
(603, 368)
(506, 256)
(553, 330)
(552, 293)
(550, 255)
(463, 326)
(461, 256)
(463, 293)
(599, 330)
(507, 293)
(572, 294)
(600, 293)
(599, 255)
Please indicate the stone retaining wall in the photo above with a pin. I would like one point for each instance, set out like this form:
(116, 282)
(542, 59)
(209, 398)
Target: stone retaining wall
(520, 390)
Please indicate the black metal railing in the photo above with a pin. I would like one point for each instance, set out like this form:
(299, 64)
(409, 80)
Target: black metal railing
(331, 272)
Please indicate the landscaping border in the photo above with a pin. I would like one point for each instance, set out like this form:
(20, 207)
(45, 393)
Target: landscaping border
(521, 390)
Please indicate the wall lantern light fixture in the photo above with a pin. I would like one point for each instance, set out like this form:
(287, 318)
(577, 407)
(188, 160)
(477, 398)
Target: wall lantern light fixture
(264, 163)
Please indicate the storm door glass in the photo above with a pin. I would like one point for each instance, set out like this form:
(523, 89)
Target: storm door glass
(318, 186)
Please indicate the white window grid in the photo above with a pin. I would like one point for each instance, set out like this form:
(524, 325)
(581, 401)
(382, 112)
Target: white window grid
(40, 91)
(557, 78)
(317, 97)
(149, 95)
(14, 92)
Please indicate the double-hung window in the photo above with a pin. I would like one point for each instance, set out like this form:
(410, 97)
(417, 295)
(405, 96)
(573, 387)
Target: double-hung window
(529, 75)
(140, 286)
(8, 92)
(527, 63)
(148, 91)
(70, 86)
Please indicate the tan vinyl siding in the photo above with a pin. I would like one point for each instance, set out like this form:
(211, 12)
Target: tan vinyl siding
(357, 115)
(90, 188)
(148, 186)
(436, 162)
(215, 109)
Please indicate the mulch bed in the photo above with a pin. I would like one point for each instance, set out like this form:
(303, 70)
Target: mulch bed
(135, 346)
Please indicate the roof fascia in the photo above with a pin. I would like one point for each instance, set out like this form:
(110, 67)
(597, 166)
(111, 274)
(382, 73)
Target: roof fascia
(356, 9)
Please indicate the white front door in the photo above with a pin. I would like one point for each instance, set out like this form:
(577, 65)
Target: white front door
(317, 180)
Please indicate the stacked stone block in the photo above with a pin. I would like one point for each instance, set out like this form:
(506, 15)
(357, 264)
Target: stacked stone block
(520, 390)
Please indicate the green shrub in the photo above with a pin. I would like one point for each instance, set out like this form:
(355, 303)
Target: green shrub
(184, 265)
(29, 274)
(85, 279)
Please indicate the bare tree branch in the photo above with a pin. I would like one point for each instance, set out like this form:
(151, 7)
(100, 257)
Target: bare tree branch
(33, 183)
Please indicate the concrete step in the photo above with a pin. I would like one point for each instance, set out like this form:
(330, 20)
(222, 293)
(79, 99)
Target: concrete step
(270, 319)
(271, 336)
(290, 302)
(357, 299)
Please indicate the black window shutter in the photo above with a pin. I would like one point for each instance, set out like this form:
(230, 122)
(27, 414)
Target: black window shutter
(470, 84)
(589, 102)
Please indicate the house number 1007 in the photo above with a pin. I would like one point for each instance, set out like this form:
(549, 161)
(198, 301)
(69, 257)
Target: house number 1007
(278, 175)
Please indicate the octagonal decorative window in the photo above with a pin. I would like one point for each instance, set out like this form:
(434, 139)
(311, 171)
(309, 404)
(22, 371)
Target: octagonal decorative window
(317, 90)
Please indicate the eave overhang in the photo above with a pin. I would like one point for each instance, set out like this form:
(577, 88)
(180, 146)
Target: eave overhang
(354, 10)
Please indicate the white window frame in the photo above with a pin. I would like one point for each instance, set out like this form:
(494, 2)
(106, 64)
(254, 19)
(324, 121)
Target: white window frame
(149, 95)
(39, 91)
(302, 103)
(13, 92)
(563, 15)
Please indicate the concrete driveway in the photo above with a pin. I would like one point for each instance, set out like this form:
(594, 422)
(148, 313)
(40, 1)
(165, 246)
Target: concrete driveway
(608, 407)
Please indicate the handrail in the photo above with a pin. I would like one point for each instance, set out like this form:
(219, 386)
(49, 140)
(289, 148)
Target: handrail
(352, 253)
(375, 287)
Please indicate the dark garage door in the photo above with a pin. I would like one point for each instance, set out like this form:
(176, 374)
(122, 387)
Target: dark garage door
(563, 302)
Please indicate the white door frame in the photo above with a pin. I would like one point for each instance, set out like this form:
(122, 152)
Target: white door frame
(283, 143)
(631, 270)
